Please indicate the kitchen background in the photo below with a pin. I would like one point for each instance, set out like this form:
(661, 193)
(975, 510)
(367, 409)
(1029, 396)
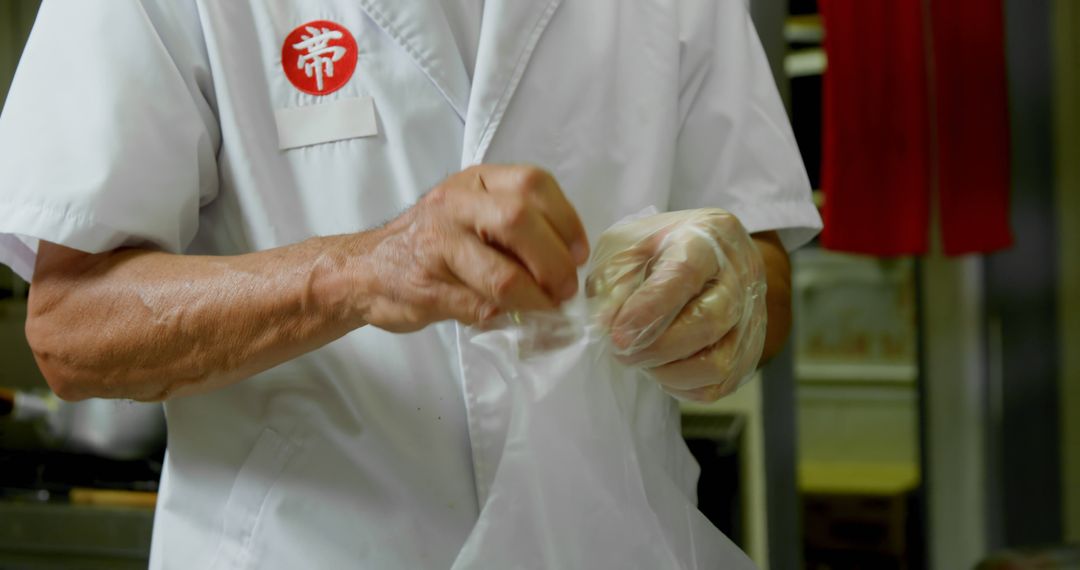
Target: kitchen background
(926, 413)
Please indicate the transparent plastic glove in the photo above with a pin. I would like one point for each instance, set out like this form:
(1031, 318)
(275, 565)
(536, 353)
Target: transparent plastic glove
(683, 297)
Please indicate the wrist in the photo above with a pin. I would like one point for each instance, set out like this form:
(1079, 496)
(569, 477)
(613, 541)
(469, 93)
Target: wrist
(341, 286)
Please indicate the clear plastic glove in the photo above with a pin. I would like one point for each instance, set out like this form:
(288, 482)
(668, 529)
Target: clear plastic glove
(683, 296)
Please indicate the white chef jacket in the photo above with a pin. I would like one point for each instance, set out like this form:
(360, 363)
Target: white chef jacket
(152, 123)
(464, 18)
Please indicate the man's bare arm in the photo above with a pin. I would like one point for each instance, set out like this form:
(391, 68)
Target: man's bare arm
(146, 325)
(778, 298)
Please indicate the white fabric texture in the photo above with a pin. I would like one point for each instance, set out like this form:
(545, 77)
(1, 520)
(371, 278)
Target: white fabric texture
(151, 123)
(93, 163)
(464, 18)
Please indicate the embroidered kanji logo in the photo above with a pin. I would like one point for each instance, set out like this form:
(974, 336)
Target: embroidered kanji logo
(319, 57)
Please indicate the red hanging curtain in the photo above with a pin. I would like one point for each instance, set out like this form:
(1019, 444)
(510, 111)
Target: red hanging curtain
(970, 92)
(897, 122)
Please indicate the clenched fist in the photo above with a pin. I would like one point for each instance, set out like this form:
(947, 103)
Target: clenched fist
(486, 240)
(683, 296)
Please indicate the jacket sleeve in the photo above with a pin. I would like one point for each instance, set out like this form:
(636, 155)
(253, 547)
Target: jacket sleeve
(735, 147)
(108, 137)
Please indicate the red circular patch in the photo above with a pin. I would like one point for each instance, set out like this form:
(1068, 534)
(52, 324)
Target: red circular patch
(319, 57)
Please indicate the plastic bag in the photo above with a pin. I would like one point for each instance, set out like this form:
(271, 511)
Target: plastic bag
(593, 473)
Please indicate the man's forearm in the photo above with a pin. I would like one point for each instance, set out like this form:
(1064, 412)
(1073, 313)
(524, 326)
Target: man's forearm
(149, 326)
(146, 325)
(778, 298)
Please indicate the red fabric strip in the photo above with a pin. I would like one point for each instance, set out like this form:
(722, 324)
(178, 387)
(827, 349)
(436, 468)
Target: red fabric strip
(972, 125)
(875, 170)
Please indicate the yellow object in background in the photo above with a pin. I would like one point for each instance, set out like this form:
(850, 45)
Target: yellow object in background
(113, 498)
(837, 478)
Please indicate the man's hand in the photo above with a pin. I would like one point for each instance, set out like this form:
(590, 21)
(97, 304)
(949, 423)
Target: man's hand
(683, 295)
(488, 239)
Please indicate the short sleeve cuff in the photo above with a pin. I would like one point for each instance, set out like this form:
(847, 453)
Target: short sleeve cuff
(22, 226)
(797, 222)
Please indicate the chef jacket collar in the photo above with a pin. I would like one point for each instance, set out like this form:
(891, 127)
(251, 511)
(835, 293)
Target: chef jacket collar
(422, 30)
(509, 35)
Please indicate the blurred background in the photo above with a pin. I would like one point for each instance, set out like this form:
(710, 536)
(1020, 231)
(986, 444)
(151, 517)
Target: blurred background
(926, 413)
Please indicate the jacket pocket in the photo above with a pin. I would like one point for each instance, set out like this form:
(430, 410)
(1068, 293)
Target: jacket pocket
(243, 509)
(337, 120)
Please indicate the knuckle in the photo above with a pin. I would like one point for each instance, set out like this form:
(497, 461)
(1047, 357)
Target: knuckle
(685, 269)
(468, 308)
(717, 216)
(732, 229)
(413, 317)
(481, 311)
(532, 178)
(505, 283)
(421, 302)
(475, 314)
(515, 214)
(718, 223)
(467, 316)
